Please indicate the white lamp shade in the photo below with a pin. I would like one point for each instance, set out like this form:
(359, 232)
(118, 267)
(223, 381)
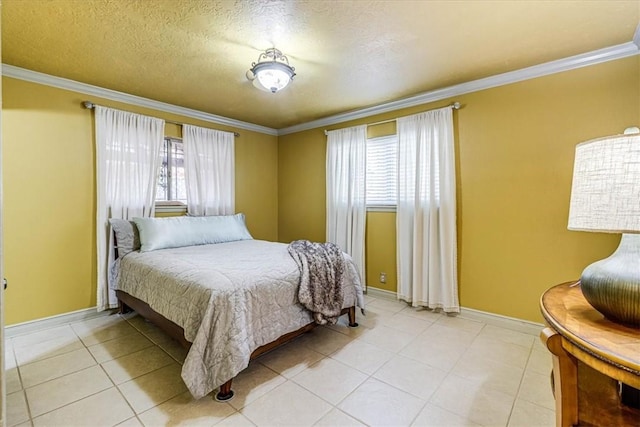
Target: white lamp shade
(605, 194)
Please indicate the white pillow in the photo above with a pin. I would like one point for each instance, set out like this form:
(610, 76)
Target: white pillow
(176, 232)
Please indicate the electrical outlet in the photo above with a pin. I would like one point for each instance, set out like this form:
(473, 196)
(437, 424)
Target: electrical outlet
(383, 277)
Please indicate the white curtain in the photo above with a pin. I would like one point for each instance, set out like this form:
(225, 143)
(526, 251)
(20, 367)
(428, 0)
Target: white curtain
(209, 168)
(426, 214)
(346, 205)
(127, 159)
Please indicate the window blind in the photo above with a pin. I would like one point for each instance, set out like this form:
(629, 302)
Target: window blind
(382, 171)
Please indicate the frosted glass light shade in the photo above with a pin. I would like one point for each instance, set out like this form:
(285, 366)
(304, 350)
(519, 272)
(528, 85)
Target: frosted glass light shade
(272, 72)
(273, 79)
(272, 76)
(605, 194)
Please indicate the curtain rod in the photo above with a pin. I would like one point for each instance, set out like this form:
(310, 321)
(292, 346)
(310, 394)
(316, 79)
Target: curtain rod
(90, 106)
(456, 106)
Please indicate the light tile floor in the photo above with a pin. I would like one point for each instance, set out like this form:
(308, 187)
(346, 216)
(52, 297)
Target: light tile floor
(401, 367)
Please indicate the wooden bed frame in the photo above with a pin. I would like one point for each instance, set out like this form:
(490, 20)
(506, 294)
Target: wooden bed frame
(127, 303)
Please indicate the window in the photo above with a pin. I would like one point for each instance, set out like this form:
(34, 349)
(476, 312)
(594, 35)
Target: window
(171, 188)
(382, 172)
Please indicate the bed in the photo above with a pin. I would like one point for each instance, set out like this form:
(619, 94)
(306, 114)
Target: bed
(228, 302)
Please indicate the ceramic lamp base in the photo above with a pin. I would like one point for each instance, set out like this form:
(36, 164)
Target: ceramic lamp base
(612, 285)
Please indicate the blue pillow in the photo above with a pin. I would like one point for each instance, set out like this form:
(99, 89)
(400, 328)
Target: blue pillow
(176, 232)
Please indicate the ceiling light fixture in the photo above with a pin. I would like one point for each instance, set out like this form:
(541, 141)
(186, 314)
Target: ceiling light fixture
(272, 72)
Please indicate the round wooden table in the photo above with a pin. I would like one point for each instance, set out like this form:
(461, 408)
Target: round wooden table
(591, 357)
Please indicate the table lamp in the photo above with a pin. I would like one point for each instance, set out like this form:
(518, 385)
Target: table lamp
(605, 197)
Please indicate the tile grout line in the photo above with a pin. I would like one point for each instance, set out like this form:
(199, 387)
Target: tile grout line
(426, 401)
(333, 406)
(86, 347)
(450, 373)
(371, 376)
(23, 389)
(352, 338)
(117, 386)
(173, 358)
(114, 385)
(135, 414)
(69, 403)
(517, 396)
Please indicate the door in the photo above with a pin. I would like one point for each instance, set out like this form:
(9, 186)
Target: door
(3, 391)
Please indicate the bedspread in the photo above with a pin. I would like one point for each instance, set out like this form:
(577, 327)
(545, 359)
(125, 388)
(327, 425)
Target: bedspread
(229, 298)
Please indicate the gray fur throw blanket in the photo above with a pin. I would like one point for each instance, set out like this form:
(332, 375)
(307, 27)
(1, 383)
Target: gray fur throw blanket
(322, 269)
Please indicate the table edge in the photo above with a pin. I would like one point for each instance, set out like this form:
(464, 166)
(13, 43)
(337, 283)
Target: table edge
(589, 348)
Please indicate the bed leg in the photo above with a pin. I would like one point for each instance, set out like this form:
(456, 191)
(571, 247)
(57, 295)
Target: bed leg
(123, 308)
(225, 393)
(352, 317)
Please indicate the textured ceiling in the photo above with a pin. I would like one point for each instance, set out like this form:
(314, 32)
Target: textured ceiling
(347, 54)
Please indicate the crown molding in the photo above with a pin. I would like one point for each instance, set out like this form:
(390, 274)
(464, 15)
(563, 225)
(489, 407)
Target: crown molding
(87, 89)
(571, 63)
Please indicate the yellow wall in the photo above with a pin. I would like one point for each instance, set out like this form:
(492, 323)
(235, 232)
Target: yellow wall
(48, 162)
(380, 251)
(515, 147)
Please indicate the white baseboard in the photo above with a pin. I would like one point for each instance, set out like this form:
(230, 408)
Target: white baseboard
(380, 293)
(507, 322)
(52, 321)
(512, 323)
